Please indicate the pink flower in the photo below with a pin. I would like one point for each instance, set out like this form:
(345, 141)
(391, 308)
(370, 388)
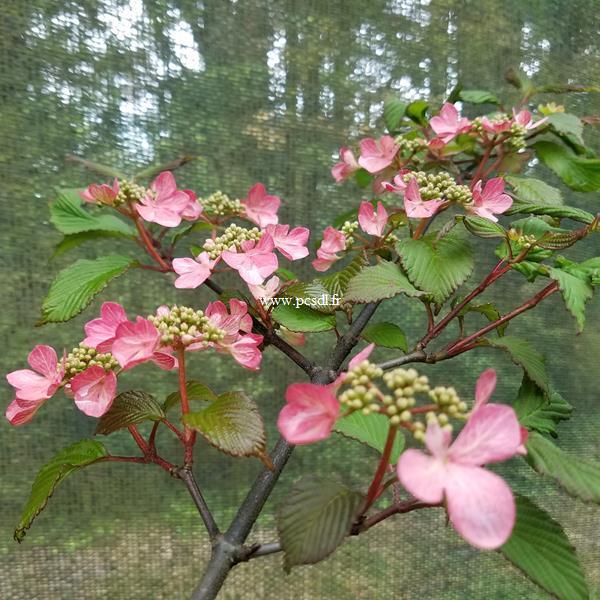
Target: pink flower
(94, 390)
(101, 332)
(447, 124)
(310, 413)
(164, 204)
(525, 119)
(101, 193)
(399, 185)
(354, 362)
(480, 504)
(293, 244)
(346, 167)
(193, 209)
(231, 322)
(255, 262)
(370, 221)
(334, 241)
(135, 343)
(245, 350)
(496, 126)
(20, 412)
(193, 272)
(261, 208)
(415, 206)
(377, 155)
(40, 383)
(267, 290)
(491, 201)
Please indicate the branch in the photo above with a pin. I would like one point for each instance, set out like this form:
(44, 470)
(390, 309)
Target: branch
(187, 476)
(394, 509)
(416, 356)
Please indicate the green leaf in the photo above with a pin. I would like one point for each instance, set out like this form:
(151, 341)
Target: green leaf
(387, 335)
(580, 174)
(535, 191)
(523, 354)
(483, 228)
(196, 391)
(576, 290)
(75, 240)
(539, 547)
(438, 267)
(51, 474)
(371, 430)
(384, 280)
(591, 268)
(75, 287)
(285, 274)
(578, 477)
(538, 410)
(478, 97)
(302, 318)
(489, 311)
(568, 125)
(232, 424)
(314, 520)
(337, 283)
(363, 178)
(393, 112)
(416, 111)
(175, 235)
(314, 294)
(560, 212)
(68, 216)
(129, 408)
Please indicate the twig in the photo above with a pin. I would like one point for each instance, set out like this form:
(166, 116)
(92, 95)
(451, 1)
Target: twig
(187, 476)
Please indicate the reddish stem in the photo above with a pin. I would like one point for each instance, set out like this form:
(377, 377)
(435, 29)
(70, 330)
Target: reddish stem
(189, 435)
(481, 166)
(373, 491)
(149, 245)
(139, 440)
(173, 429)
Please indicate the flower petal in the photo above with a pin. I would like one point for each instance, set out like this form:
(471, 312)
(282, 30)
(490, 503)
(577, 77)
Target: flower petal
(422, 475)
(484, 388)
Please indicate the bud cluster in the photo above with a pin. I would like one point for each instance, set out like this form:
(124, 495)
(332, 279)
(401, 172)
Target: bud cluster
(410, 146)
(525, 241)
(184, 324)
(404, 383)
(82, 357)
(447, 401)
(551, 108)
(234, 235)
(221, 205)
(438, 186)
(129, 192)
(348, 229)
(362, 394)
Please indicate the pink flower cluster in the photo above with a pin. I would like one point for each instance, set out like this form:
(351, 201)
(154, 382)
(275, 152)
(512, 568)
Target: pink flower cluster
(131, 343)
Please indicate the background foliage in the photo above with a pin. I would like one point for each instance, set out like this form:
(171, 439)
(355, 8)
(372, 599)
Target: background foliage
(260, 90)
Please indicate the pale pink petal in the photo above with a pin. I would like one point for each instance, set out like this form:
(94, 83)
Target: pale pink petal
(481, 506)
(19, 412)
(491, 434)
(31, 386)
(135, 342)
(260, 207)
(484, 388)
(43, 360)
(164, 185)
(101, 332)
(361, 356)
(437, 440)
(422, 475)
(371, 222)
(192, 273)
(94, 390)
(245, 350)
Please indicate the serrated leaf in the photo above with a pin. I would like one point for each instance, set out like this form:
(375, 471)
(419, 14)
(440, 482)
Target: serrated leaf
(483, 228)
(75, 287)
(303, 318)
(578, 477)
(523, 354)
(591, 268)
(535, 191)
(51, 474)
(489, 311)
(314, 520)
(129, 408)
(384, 280)
(233, 425)
(478, 97)
(314, 293)
(539, 547)
(538, 410)
(337, 283)
(387, 335)
(580, 174)
(196, 392)
(68, 216)
(576, 290)
(371, 430)
(560, 212)
(393, 112)
(437, 267)
(569, 125)
(75, 240)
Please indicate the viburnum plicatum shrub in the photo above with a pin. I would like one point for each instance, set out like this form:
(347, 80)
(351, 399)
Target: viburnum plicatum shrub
(432, 183)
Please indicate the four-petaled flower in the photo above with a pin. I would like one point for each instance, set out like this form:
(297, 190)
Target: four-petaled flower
(164, 204)
(101, 193)
(377, 155)
(346, 167)
(415, 206)
(448, 124)
(101, 332)
(480, 504)
(255, 262)
(334, 241)
(193, 272)
(94, 390)
(370, 221)
(260, 207)
(293, 244)
(491, 200)
(193, 208)
(135, 343)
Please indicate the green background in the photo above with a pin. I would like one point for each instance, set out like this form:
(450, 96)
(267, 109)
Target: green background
(261, 91)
